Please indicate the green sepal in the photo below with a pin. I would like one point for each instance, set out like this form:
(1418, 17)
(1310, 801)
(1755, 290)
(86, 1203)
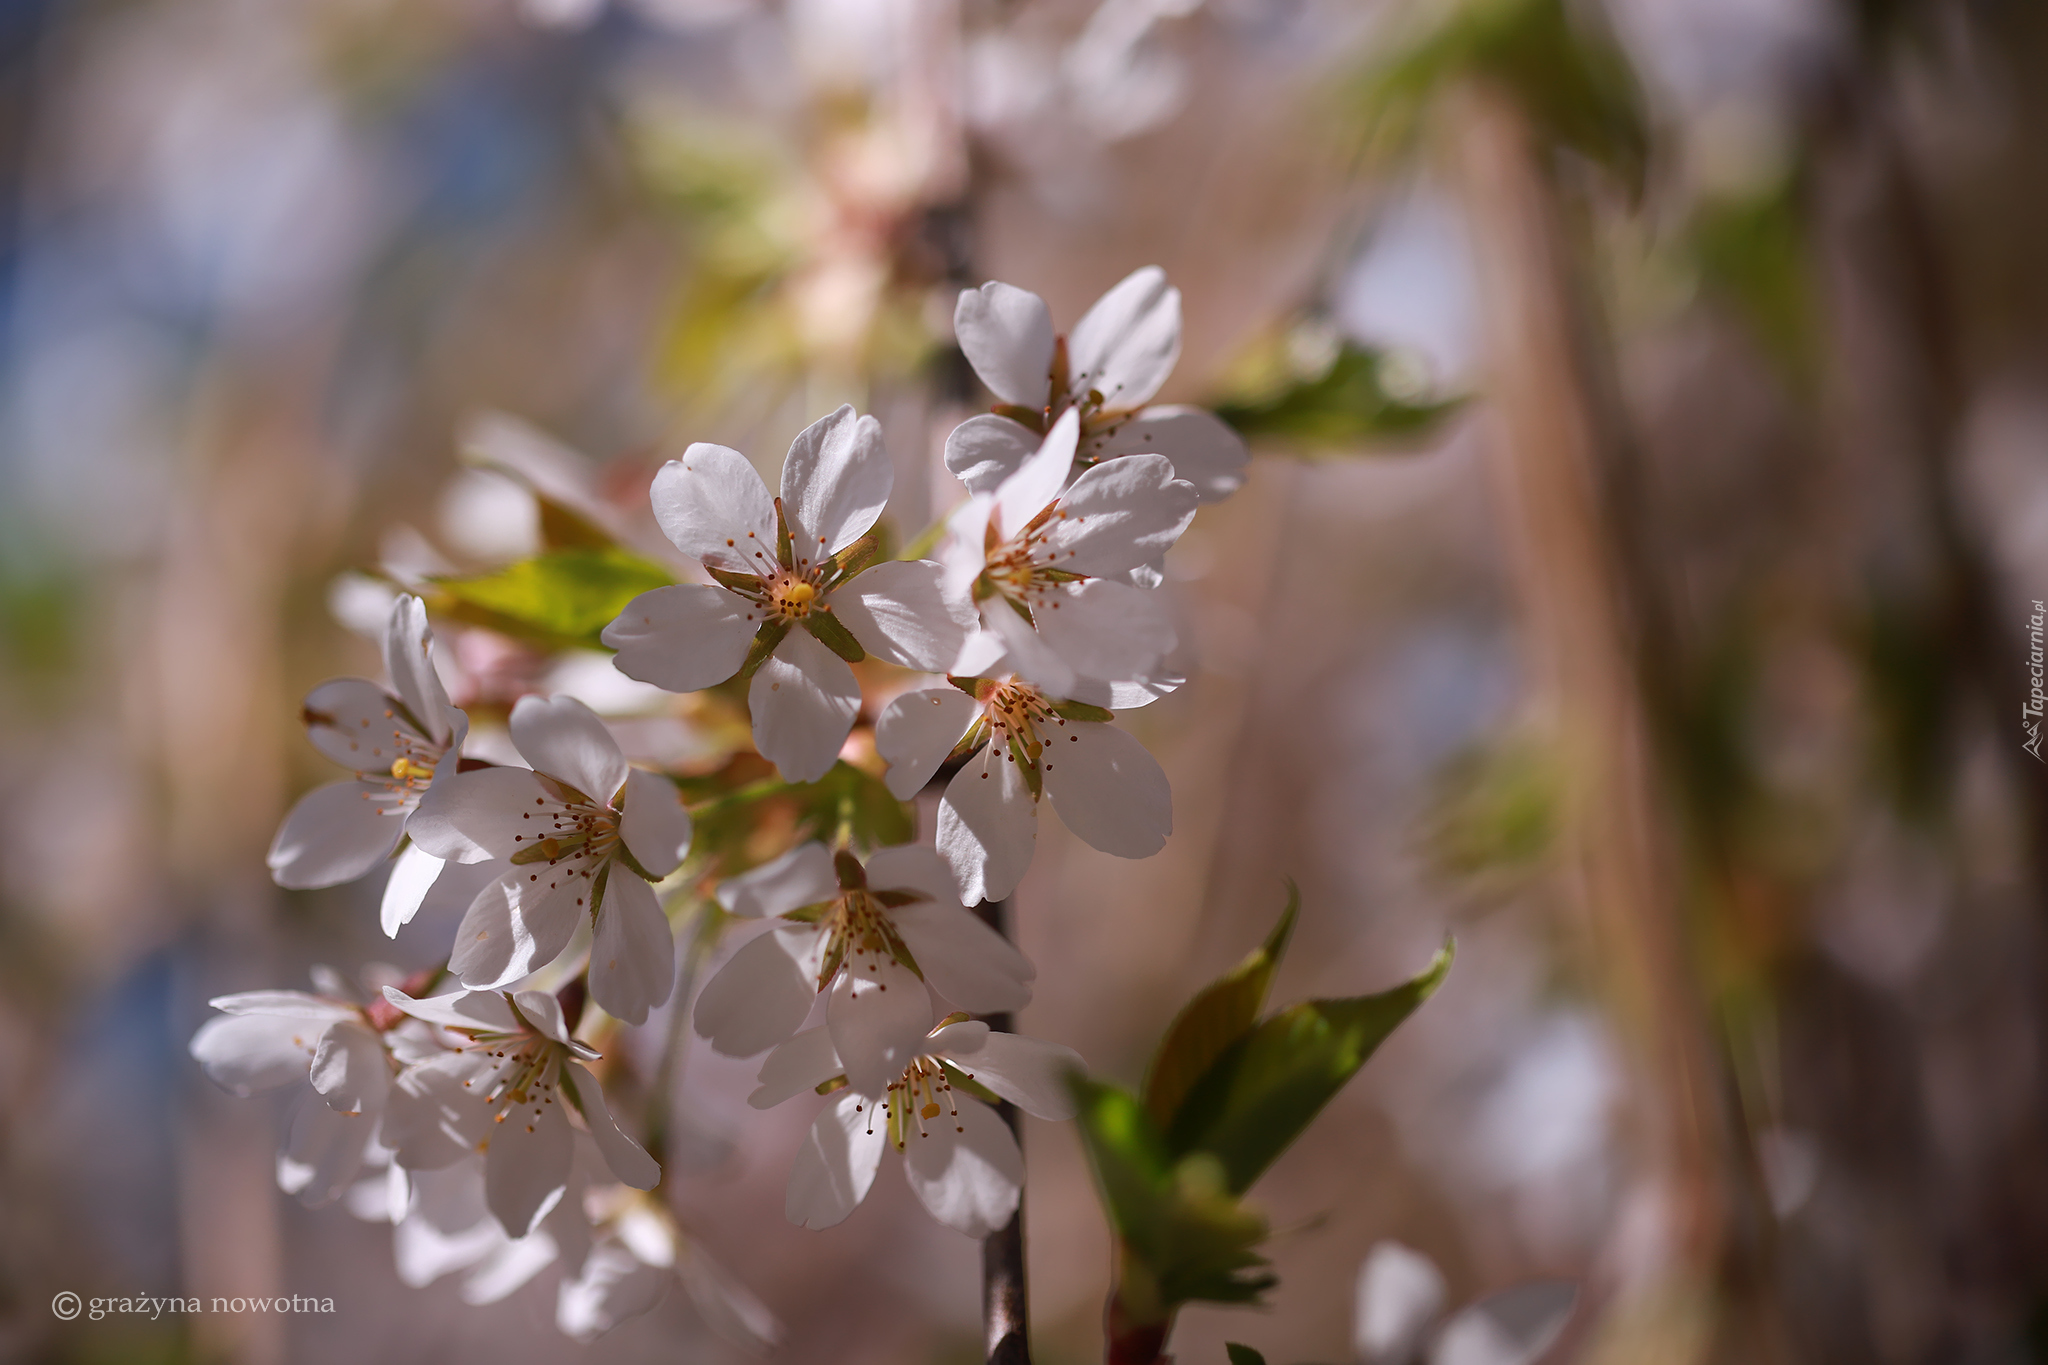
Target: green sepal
(965, 1083)
(745, 584)
(1267, 1086)
(1022, 611)
(765, 640)
(785, 552)
(833, 634)
(854, 558)
(1033, 418)
(828, 1087)
(966, 685)
(1220, 1013)
(1081, 710)
(1034, 776)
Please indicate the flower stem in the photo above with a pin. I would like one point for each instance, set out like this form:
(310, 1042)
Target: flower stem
(1005, 1302)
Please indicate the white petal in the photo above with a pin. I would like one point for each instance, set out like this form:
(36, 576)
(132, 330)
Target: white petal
(803, 1063)
(1205, 450)
(1400, 1293)
(527, 1167)
(492, 811)
(964, 960)
(713, 507)
(614, 1286)
(961, 1038)
(627, 1159)
(900, 613)
(683, 637)
(412, 876)
(803, 876)
(986, 449)
(424, 1252)
(988, 826)
(1514, 1327)
(1006, 334)
(1039, 479)
(358, 725)
(508, 1267)
(912, 867)
(654, 822)
(1025, 651)
(1108, 790)
(480, 1010)
(543, 1012)
(1109, 630)
(324, 1152)
(292, 1004)
(336, 833)
(966, 1169)
(1027, 1072)
(834, 484)
(1126, 344)
(982, 656)
(351, 1070)
(724, 1303)
(762, 993)
(836, 1165)
(633, 952)
(433, 1116)
(878, 1015)
(916, 732)
(519, 923)
(1119, 516)
(251, 1052)
(803, 699)
(563, 738)
(409, 663)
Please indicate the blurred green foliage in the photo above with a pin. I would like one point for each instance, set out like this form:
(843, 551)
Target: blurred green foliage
(1495, 813)
(1347, 404)
(562, 599)
(1751, 249)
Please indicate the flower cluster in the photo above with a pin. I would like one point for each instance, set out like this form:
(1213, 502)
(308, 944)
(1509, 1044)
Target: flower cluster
(460, 1104)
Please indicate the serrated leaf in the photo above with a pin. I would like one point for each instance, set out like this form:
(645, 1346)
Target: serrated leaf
(1220, 1013)
(563, 598)
(832, 633)
(1347, 405)
(1267, 1087)
(1181, 1234)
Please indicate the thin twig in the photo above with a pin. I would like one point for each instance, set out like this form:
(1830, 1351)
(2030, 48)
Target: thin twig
(1005, 1304)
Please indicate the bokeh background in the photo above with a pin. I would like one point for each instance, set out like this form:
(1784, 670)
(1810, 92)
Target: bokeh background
(1650, 405)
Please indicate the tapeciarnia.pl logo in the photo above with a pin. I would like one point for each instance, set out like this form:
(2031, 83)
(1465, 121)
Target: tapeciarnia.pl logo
(2037, 701)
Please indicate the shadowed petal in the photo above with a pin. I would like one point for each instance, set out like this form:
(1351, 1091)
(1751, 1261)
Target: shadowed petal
(713, 507)
(965, 1168)
(1006, 334)
(1125, 346)
(654, 822)
(336, 833)
(762, 993)
(683, 637)
(900, 613)
(1205, 450)
(633, 953)
(803, 876)
(1109, 791)
(563, 738)
(803, 699)
(986, 449)
(836, 1165)
(988, 826)
(916, 732)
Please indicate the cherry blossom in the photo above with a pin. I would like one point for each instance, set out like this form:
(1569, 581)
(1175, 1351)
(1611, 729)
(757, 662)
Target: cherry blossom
(1049, 567)
(863, 936)
(397, 742)
(497, 1093)
(959, 1156)
(794, 599)
(1020, 744)
(584, 834)
(1115, 359)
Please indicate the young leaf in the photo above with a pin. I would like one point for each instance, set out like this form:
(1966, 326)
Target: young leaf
(1217, 1017)
(1241, 1354)
(1180, 1231)
(1266, 1087)
(1347, 405)
(563, 598)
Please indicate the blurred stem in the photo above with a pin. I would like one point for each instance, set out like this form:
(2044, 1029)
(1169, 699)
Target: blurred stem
(701, 928)
(1005, 1299)
(1136, 1322)
(1597, 632)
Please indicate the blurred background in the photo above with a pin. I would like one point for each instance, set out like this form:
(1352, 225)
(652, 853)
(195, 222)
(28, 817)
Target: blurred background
(1635, 579)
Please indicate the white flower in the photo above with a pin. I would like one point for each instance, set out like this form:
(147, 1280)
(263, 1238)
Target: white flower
(866, 935)
(444, 1225)
(1048, 566)
(960, 1157)
(638, 1253)
(1020, 744)
(793, 602)
(583, 833)
(272, 1039)
(397, 745)
(1116, 358)
(498, 1094)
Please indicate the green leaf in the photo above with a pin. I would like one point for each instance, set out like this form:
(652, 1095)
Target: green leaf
(1266, 1087)
(832, 633)
(1347, 405)
(561, 599)
(1218, 1016)
(1241, 1354)
(1182, 1235)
